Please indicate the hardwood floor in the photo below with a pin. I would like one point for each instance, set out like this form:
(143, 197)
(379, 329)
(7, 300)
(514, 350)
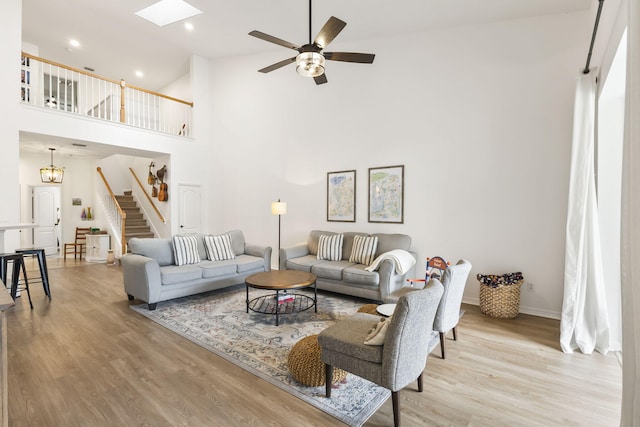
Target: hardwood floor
(86, 359)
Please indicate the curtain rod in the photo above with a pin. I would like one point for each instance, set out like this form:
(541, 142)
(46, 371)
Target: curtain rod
(593, 37)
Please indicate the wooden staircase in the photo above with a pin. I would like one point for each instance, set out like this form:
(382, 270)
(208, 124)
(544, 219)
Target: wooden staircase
(136, 225)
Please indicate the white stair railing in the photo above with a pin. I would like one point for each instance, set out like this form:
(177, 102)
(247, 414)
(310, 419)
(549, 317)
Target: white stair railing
(56, 86)
(115, 215)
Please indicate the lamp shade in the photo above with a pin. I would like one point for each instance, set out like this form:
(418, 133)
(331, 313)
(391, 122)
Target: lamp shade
(279, 208)
(51, 174)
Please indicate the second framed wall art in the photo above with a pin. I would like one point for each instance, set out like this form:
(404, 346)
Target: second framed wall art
(386, 194)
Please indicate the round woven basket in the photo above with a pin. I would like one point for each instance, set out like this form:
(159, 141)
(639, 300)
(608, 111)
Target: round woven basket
(305, 364)
(502, 302)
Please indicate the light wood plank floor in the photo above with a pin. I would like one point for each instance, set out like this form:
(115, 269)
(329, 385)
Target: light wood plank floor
(86, 359)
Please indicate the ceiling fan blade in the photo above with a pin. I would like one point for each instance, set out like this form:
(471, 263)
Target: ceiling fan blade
(329, 32)
(278, 65)
(321, 79)
(268, 38)
(362, 58)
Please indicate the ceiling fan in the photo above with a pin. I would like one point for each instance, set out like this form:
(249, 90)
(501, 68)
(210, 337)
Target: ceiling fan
(311, 58)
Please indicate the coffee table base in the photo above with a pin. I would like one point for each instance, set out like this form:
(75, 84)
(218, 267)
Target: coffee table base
(266, 304)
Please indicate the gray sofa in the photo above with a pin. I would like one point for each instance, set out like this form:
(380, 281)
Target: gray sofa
(345, 277)
(151, 274)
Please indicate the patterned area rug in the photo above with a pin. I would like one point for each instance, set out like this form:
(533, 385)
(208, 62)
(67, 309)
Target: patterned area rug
(218, 322)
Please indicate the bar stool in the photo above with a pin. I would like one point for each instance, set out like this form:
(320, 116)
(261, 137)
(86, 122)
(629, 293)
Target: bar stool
(42, 263)
(18, 263)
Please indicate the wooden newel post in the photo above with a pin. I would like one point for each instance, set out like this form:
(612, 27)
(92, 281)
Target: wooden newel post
(123, 85)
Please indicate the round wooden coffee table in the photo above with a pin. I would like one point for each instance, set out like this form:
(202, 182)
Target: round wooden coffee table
(283, 301)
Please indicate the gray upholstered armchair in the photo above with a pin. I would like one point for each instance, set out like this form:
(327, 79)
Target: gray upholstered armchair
(454, 280)
(400, 359)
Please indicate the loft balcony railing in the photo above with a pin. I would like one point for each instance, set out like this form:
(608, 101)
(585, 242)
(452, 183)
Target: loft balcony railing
(48, 84)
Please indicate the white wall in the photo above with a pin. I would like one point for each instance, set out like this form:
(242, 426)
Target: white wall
(480, 117)
(10, 20)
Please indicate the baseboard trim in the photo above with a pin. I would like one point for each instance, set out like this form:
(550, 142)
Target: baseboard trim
(534, 311)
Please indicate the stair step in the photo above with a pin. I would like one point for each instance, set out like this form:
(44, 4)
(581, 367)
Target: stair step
(128, 193)
(128, 205)
(131, 235)
(135, 222)
(137, 229)
(134, 215)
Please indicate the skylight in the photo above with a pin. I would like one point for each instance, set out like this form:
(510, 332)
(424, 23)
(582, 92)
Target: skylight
(167, 12)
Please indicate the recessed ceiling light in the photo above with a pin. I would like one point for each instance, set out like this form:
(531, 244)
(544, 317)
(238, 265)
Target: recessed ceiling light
(139, 73)
(188, 26)
(74, 43)
(168, 11)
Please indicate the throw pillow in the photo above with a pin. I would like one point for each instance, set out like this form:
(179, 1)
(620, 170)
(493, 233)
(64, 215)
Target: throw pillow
(330, 247)
(218, 247)
(364, 249)
(185, 249)
(378, 333)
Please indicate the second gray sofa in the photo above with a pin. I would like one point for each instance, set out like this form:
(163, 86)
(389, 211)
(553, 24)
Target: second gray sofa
(346, 277)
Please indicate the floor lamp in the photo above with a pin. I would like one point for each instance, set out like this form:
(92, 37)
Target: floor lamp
(279, 208)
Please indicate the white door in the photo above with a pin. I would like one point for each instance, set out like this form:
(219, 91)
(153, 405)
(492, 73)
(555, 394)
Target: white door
(45, 208)
(189, 208)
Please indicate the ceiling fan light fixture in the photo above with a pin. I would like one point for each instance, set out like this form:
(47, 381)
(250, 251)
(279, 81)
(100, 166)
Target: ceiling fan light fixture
(310, 64)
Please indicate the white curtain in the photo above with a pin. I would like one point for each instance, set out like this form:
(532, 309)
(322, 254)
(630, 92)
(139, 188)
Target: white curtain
(585, 323)
(630, 233)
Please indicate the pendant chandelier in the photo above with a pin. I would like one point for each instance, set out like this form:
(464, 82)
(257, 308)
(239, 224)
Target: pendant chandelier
(51, 174)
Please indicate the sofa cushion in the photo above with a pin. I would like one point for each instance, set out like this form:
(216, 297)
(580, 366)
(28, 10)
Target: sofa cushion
(248, 262)
(185, 249)
(357, 274)
(388, 242)
(314, 238)
(218, 247)
(218, 268)
(347, 244)
(237, 241)
(159, 249)
(173, 274)
(330, 247)
(303, 263)
(330, 270)
(364, 249)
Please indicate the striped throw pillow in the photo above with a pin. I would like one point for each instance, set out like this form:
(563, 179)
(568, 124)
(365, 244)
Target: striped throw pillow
(218, 247)
(364, 249)
(185, 249)
(330, 247)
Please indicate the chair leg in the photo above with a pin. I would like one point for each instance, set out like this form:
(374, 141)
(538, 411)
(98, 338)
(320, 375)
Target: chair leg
(328, 376)
(395, 400)
(455, 333)
(420, 383)
(26, 283)
(442, 339)
(44, 272)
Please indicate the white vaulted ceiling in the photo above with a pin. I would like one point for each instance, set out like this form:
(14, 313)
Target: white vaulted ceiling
(115, 42)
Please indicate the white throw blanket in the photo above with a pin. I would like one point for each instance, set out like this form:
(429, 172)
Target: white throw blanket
(402, 259)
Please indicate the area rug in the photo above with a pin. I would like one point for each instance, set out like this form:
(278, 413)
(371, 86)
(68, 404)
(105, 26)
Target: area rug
(218, 322)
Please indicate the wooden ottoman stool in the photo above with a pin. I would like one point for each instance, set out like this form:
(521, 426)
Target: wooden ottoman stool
(369, 308)
(305, 364)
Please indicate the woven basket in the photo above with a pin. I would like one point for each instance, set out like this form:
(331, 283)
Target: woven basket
(502, 302)
(305, 364)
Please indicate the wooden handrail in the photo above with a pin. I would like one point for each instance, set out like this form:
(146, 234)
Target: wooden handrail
(120, 83)
(123, 214)
(148, 197)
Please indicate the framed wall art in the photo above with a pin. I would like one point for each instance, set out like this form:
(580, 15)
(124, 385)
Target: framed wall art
(341, 196)
(386, 194)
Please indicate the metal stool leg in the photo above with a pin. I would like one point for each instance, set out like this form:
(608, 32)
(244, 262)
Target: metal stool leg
(26, 282)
